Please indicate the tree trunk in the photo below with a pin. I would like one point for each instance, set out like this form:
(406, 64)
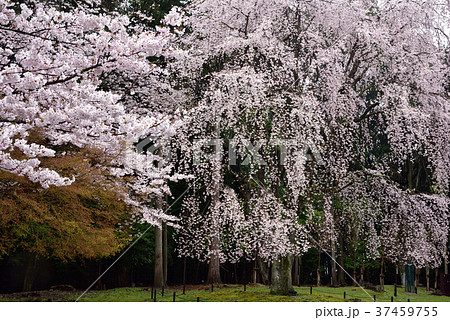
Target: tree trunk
(214, 249)
(99, 285)
(158, 280)
(164, 239)
(355, 283)
(416, 277)
(436, 278)
(396, 275)
(263, 270)
(318, 268)
(184, 273)
(445, 264)
(281, 281)
(296, 271)
(382, 274)
(214, 260)
(427, 272)
(30, 272)
(255, 272)
(334, 281)
(341, 274)
(361, 274)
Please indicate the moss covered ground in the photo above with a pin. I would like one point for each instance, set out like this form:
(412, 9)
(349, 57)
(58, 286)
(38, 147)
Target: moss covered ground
(232, 293)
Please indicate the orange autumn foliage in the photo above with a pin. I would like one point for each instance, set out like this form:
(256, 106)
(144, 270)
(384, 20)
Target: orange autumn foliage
(76, 221)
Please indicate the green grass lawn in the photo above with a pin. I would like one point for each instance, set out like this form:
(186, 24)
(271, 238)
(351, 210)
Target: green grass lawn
(260, 293)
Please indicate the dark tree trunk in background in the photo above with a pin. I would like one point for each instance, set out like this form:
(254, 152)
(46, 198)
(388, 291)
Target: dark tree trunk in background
(355, 282)
(281, 281)
(396, 275)
(341, 274)
(99, 284)
(184, 272)
(427, 272)
(296, 271)
(446, 263)
(361, 274)
(263, 270)
(382, 274)
(318, 267)
(416, 277)
(123, 276)
(164, 238)
(255, 272)
(436, 278)
(30, 272)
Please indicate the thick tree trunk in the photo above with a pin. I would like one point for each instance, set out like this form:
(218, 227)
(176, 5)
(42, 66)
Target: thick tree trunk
(214, 261)
(214, 258)
(30, 272)
(281, 281)
(427, 272)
